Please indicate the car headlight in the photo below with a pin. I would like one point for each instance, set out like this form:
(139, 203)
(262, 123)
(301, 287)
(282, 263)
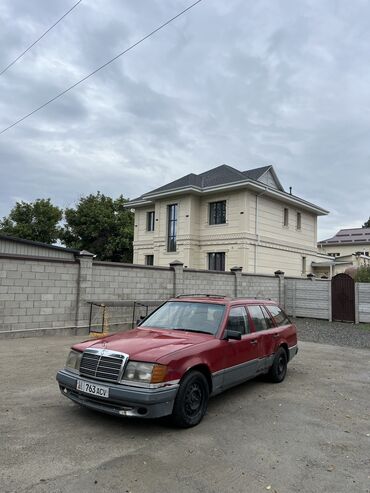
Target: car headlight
(73, 361)
(144, 372)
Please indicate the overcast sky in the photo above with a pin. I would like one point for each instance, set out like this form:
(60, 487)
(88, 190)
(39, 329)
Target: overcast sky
(238, 82)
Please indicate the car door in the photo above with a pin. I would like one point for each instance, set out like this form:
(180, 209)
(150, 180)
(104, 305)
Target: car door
(283, 327)
(263, 326)
(240, 356)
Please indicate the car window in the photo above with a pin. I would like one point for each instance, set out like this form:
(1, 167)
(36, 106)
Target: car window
(238, 320)
(258, 317)
(190, 316)
(279, 316)
(269, 321)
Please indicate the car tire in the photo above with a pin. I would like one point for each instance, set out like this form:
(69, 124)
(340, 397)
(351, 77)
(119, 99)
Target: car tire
(279, 366)
(191, 400)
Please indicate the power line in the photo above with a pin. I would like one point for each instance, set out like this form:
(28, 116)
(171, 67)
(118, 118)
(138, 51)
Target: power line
(101, 67)
(38, 39)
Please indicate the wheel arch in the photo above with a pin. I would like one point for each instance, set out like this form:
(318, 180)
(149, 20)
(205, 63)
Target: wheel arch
(202, 368)
(284, 345)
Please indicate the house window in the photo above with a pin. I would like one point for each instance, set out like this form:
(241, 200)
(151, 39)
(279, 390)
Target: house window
(217, 212)
(303, 265)
(150, 218)
(149, 259)
(286, 216)
(299, 220)
(216, 261)
(172, 227)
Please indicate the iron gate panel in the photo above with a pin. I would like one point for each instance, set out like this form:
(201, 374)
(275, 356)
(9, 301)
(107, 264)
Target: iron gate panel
(343, 298)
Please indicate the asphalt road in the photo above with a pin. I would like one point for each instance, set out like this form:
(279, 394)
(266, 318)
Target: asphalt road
(309, 434)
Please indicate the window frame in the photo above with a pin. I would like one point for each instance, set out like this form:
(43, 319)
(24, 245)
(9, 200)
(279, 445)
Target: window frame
(150, 221)
(299, 221)
(304, 264)
(222, 263)
(147, 258)
(172, 213)
(286, 217)
(218, 216)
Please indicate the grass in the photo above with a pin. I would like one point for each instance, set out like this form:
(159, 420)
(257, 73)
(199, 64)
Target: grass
(364, 326)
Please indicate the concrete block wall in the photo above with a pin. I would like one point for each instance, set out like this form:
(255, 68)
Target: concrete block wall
(49, 293)
(114, 281)
(36, 294)
(260, 287)
(197, 281)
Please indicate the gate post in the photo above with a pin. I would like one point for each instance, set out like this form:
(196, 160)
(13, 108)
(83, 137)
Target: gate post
(330, 311)
(357, 310)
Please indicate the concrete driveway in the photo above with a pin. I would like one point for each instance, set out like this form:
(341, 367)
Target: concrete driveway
(309, 434)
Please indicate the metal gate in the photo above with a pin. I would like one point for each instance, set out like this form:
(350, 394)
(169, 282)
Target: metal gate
(343, 298)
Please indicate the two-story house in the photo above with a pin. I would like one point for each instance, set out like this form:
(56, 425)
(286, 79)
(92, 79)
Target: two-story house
(348, 248)
(223, 218)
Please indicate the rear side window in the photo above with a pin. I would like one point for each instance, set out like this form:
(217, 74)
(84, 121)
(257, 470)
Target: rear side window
(238, 320)
(279, 316)
(258, 318)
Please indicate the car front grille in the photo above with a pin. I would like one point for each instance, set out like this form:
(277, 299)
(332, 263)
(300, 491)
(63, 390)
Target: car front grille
(102, 364)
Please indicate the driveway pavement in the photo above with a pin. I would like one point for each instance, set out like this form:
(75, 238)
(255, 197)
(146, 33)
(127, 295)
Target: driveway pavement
(309, 434)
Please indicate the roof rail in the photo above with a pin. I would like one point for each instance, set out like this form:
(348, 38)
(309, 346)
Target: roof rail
(201, 295)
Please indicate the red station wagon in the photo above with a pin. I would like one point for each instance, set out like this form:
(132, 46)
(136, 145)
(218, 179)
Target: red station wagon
(188, 349)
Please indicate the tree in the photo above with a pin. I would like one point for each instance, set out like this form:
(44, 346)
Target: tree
(102, 226)
(367, 224)
(37, 221)
(362, 274)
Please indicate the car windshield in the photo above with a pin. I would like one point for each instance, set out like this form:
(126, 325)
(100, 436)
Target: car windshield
(184, 315)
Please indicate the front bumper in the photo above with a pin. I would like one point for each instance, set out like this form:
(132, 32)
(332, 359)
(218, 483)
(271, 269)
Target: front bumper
(123, 400)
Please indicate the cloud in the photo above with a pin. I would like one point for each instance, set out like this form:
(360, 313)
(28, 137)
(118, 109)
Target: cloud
(248, 84)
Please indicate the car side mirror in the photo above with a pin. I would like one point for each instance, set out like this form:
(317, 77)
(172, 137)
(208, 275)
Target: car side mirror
(139, 320)
(232, 334)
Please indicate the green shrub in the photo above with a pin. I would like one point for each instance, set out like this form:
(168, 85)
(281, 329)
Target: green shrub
(362, 274)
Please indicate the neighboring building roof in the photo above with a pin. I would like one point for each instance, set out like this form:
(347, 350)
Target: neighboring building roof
(262, 180)
(352, 236)
(37, 244)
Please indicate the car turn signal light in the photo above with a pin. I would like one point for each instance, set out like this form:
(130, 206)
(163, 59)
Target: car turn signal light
(159, 373)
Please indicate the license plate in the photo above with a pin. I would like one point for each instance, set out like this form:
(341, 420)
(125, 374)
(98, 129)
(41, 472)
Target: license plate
(92, 388)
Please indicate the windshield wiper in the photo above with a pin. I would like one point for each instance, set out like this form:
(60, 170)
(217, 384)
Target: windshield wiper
(199, 331)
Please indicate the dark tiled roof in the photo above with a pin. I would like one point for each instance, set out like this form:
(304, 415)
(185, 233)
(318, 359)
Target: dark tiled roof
(217, 176)
(349, 237)
(256, 173)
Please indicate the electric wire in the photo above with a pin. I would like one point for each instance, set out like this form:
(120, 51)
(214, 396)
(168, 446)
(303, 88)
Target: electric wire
(38, 39)
(101, 67)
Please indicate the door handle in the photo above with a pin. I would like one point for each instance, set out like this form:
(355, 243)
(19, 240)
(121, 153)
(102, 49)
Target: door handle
(254, 341)
(275, 336)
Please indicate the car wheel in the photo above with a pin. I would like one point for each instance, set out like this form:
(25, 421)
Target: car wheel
(279, 366)
(191, 400)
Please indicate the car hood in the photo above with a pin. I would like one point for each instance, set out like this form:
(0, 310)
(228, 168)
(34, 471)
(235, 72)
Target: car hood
(146, 344)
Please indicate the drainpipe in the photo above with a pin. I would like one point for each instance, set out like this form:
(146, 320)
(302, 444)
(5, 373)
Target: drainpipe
(256, 231)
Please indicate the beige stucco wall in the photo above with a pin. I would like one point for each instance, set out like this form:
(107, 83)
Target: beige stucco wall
(263, 249)
(345, 249)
